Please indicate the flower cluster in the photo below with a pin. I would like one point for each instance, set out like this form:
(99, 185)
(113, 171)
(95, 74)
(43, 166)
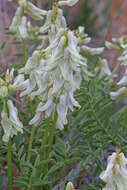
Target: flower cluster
(56, 68)
(9, 116)
(115, 175)
(121, 45)
(19, 23)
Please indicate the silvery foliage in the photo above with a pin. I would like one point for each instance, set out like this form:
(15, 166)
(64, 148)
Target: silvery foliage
(9, 115)
(121, 45)
(115, 175)
(56, 68)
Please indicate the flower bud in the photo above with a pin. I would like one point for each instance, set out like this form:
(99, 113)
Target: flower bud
(3, 91)
(70, 186)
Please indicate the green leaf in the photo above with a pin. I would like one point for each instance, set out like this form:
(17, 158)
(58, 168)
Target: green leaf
(39, 182)
(28, 165)
(43, 162)
(55, 167)
(20, 181)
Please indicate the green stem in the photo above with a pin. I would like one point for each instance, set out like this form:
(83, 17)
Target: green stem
(30, 147)
(52, 134)
(44, 142)
(125, 119)
(9, 165)
(51, 131)
(32, 174)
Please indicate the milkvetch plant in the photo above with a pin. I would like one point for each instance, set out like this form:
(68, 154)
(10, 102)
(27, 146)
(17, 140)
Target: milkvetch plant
(66, 114)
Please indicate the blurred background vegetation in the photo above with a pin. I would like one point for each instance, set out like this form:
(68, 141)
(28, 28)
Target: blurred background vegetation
(93, 14)
(103, 19)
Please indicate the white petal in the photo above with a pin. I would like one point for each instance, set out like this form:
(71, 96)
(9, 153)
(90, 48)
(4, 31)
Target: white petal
(16, 20)
(67, 2)
(17, 82)
(45, 106)
(70, 186)
(6, 124)
(36, 119)
(120, 92)
(13, 117)
(74, 102)
(59, 124)
(30, 85)
(123, 81)
(62, 109)
(23, 27)
(93, 51)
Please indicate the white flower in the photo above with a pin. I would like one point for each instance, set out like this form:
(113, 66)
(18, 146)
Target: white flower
(13, 117)
(53, 23)
(32, 10)
(37, 118)
(9, 76)
(10, 84)
(92, 51)
(70, 186)
(18, 81)
(10, 123)
(16, 20)
(115, 175)
(32, 63)
(62, 109)
(121, 91)
(123, 80)
(110, 45)
(103, 69)
(67, 2)
(7, 127)
(28, 85)
(23, 28)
